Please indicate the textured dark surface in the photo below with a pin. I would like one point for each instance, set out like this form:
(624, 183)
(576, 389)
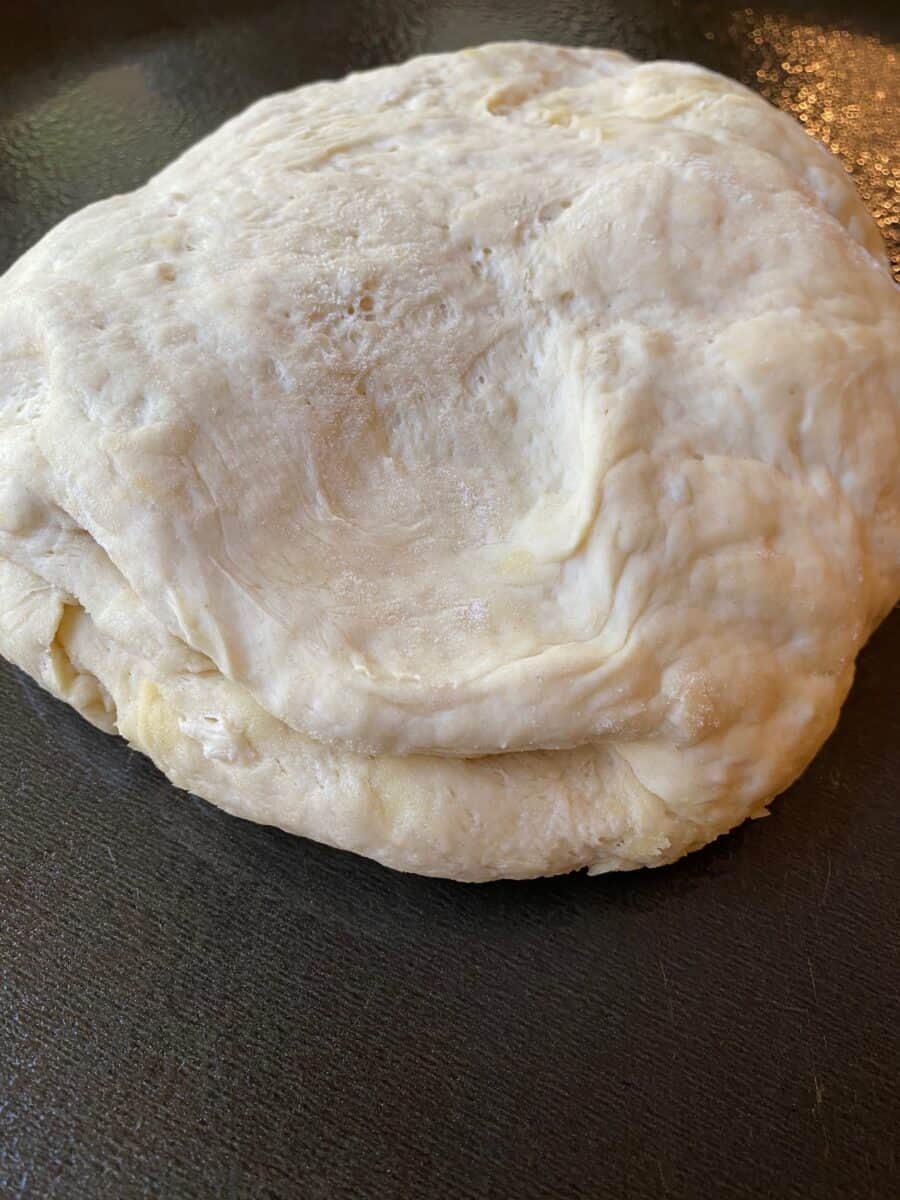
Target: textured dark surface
(195, 1007)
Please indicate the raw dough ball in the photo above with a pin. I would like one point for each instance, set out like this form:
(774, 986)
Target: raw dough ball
(488, 464)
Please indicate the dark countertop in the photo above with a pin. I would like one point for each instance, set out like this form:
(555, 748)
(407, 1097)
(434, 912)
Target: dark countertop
(191, 1006)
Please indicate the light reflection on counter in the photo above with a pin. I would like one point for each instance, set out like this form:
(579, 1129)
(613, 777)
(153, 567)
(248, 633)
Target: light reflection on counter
(845, 88)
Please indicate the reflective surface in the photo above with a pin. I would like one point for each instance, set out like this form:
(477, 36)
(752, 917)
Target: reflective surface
(192, 1006)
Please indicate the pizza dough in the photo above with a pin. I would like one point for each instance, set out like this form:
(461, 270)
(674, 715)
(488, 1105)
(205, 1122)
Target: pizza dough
(487, 464)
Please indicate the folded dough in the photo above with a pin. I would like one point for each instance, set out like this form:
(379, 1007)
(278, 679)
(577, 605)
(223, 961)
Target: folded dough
(487, 464)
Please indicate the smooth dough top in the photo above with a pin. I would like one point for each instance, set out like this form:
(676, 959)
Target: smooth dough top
(522, 398)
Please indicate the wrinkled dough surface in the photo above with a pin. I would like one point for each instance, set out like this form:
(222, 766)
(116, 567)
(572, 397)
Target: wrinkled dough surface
(501, 449)
(505, 816)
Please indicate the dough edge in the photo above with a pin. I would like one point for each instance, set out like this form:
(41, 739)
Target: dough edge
(470, 820)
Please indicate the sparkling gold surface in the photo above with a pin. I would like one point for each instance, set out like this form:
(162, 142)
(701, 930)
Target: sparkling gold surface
(845, 88)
